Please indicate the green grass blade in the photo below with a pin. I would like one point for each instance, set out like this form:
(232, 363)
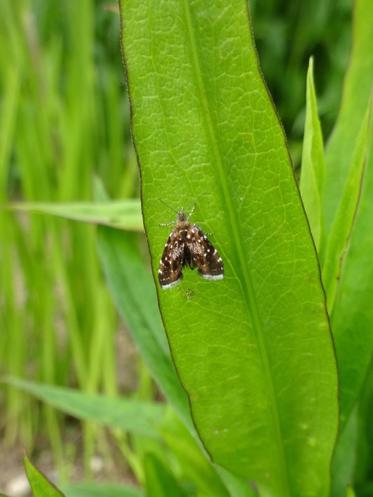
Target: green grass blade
(350, 492)
(352, 319)
(344, 459)
(253, 351)
(7, 126)
(159, 480)
(312, 173)
(134, 295)
(40, 485)
(340, 234)
(101, 490)
(140, 417)
(356, 93)
(122, 214)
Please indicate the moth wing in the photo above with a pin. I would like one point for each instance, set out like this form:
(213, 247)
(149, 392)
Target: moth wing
(172, 261)
(203, 255)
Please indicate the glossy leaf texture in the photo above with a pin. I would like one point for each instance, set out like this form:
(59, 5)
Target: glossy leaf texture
(312, 172)
(253, 351)
(352, 318)
(120, 214)
(40, 485)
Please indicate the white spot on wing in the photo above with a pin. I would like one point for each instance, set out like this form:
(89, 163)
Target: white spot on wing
(171, 285)
(213, 276)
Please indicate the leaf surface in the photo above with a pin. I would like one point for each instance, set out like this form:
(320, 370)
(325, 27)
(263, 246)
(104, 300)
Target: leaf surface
(40, 485)
(253, 351)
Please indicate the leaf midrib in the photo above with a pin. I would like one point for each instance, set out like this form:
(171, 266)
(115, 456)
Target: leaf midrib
(247, 287)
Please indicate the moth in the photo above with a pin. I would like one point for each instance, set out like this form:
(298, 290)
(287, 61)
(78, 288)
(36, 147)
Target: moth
(187, 245)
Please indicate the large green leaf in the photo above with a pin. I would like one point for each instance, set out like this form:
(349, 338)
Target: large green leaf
(40, 485)
(253, 351)
(139, 417)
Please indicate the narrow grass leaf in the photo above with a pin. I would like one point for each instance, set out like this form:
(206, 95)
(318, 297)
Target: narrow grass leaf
(352, 319)
(254, 350)
(101, 490)
(350, 492)
(122, 214)
(357, 89)
(140, 417)
(40, 485)
(340, 234)
(159, 481)
(344, 460)
(312, 172)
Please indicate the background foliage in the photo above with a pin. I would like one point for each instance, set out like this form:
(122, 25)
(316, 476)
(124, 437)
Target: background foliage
(64, 129)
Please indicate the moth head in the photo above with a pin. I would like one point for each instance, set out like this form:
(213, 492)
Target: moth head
(181, 216)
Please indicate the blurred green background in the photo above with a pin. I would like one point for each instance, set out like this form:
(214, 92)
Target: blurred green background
(64, 121)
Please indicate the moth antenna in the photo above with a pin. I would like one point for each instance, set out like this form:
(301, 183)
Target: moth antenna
(192, 210)
(168, 207)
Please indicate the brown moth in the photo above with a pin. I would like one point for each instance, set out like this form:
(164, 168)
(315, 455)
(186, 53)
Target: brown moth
(187, 245)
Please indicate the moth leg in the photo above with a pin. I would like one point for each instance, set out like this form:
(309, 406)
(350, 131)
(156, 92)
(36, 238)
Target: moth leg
(192, 211)
(165, 225)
